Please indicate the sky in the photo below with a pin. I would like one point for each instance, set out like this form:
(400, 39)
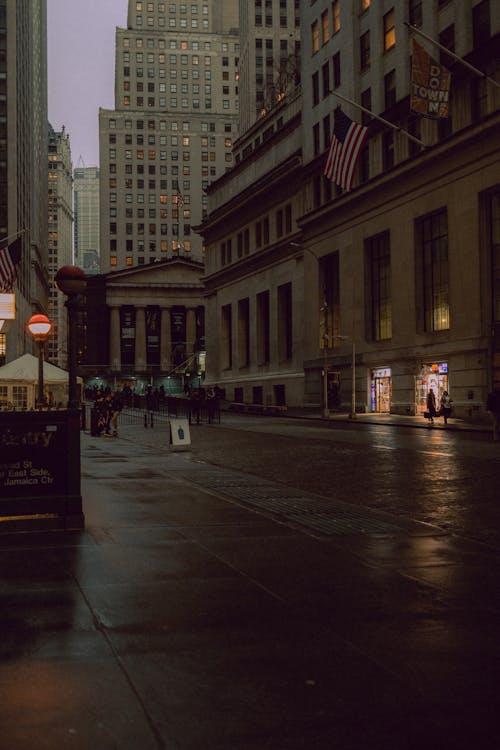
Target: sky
(81, 69)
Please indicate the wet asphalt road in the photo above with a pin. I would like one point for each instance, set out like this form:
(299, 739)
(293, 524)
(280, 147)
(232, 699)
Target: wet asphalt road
(442, 477)
(281, 585)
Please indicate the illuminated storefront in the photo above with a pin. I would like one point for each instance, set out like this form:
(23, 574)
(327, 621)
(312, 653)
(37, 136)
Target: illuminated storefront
(433, 376)
(381, 390)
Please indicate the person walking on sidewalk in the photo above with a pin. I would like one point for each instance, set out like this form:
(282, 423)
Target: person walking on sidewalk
(493, 406)
(445, 406)
(431, 406)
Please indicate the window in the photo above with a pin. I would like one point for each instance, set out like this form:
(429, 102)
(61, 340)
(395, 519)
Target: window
(325, 75)
(336, 15)
(244, 332)
(336, 70)
(279, 223)
(364, 50)
(432, 270)
(388, 150)
(325, 27)
(263, 328)
(493, 220)
(226, 337)
(378, 256)
(366, 102)
(285, 327)
(314, 37)
(329, 300)
(415, 12)
(316, 140)
(390, 89)
(481, 29)
(389, 30)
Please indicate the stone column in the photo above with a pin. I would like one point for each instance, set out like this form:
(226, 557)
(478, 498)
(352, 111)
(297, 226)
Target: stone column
(140, 339)
(114, 339)
(190, 330)
(165, 340)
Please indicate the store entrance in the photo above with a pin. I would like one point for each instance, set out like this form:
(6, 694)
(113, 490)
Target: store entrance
(381, 390)
(433, 376)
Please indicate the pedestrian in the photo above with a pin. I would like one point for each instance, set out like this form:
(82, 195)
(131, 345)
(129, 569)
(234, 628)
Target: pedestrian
(493, 406)
(445, 406)
(116, 407)
(431, 406)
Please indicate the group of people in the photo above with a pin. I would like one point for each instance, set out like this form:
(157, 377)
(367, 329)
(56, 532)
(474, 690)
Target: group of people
(107, 405)
(444, 409)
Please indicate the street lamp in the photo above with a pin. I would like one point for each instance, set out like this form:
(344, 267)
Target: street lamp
(39, 326)
(71, 281)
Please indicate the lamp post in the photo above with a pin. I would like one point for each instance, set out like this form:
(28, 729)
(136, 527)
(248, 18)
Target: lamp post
(352, 414)
(71, 281)
(324, 310)
(39, 326)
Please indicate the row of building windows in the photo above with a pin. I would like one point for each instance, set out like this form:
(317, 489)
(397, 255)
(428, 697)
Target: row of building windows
(174, 60)
(262, 303)
(322, 30)
(185, 126)
(261, 235)
(174, 103)
(172, 23)
(163, 140)
(182, 44)
(152, 154)
(174, 246)
(431, 279)
(173, 8)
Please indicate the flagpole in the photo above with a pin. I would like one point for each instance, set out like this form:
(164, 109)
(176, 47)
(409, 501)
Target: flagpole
(459, 59)
(13, 236)
(381, 119)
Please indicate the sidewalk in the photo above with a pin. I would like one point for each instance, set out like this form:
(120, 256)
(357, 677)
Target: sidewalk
(391, 419)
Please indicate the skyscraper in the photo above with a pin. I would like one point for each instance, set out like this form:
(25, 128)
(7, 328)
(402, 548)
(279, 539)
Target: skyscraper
(172, 129)
(269, 56)
(86, 208)
(23, 154)
(60, 217)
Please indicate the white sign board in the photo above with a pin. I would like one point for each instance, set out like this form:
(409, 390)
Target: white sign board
(179, 432)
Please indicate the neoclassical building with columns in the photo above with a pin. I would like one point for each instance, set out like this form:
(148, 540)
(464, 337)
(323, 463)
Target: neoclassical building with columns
(145, 325)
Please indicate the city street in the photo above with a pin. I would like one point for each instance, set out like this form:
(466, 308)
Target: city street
(281, 583)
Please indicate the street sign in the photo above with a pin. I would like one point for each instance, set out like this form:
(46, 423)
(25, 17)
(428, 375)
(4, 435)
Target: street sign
(179, 433)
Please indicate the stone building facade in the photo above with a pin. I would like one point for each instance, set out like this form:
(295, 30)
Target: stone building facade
(394, 284)
(145, 326)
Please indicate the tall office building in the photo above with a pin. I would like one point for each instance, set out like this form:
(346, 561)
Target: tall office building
(86, 212)
(23, 156)
(172, 129)
(60, 219)
(269, 56)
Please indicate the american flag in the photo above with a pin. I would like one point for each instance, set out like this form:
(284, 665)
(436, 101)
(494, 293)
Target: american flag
(10, 255)
(347, 141)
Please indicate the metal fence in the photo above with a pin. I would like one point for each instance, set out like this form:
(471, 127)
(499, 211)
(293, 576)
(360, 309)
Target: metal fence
(196, 411)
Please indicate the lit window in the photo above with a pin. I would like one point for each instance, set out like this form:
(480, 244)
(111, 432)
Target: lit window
(389, 30)
(314, 37)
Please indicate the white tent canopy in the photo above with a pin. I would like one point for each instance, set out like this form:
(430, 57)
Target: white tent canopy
(19, 380)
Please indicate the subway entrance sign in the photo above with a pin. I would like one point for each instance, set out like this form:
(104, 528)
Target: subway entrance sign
(40, 470)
